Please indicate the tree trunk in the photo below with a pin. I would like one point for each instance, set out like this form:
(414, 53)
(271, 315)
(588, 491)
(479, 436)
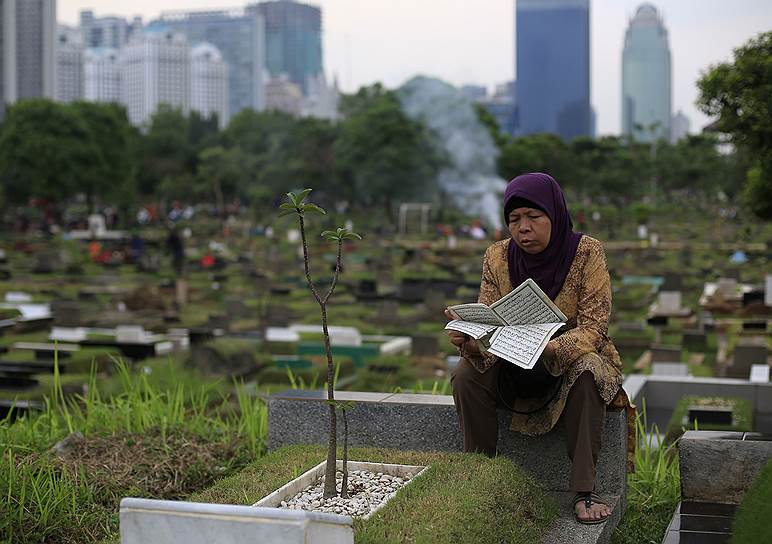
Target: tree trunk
(332, 446)
(344, 485)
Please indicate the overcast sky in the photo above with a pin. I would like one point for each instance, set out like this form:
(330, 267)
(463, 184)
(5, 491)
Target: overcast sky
(472, 41)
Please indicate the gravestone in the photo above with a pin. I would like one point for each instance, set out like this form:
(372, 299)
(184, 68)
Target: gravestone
(669, 369)
(672, 282)
(753, 298)
(744, 356)
(694, 340)
(669, 302)
(435, 303)
(768, 290)
(759, 374)
(665, 354)
(278, 316)
(710, 415)
(219, 321)
(129, 334)
(412, 289)
(46, 262)
(387, 312)
(425, 345)
(367, 289)
(236, 309)
(67, 313)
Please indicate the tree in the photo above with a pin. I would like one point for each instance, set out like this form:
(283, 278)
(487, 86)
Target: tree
(165, 154)
(381, 155)
(111, 175)
(46, 150)
(296, 204)
(738, 94)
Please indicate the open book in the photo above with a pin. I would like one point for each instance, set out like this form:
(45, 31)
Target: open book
(516, 327)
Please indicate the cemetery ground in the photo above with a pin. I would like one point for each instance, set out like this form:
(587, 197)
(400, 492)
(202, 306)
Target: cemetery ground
(115, 383)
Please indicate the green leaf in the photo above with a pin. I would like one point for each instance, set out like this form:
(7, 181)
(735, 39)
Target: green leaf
(351, 236)
(329, 235)
(287, 211)
(301, 196)
(314, 209)
(293, 201)
(286, 206)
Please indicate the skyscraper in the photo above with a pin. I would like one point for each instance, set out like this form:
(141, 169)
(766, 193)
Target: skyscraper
(209, 83)
(69, 65)
(553, 67)
(646, 73)
(108, 31)
(27, 50)
(155, 70)
(293, 34)
(102, 74)
(239, 35)
(679, 127)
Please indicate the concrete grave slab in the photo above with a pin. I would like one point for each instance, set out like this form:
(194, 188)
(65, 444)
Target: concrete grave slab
(172, 522)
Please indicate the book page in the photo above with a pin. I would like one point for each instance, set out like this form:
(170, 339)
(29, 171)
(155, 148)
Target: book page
(477, 313)
(522, 345)
(475, 330)
(527, 305)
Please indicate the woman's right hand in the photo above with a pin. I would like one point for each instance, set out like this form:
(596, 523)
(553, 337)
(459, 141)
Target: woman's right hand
(458, 339)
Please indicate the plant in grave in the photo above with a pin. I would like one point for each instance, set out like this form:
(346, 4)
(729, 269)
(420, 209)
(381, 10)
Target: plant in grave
(296, 203)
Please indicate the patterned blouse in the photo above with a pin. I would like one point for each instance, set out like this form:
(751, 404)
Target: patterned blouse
(585, 299)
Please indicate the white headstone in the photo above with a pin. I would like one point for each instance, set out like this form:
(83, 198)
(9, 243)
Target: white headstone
(768, 290)
(293, 236)
(759, 373)
(669, 302)
(96, 224)
(130, 334)
(17, 296)
(643, 232)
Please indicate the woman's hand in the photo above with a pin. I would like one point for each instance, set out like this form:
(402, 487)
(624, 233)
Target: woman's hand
(458, 339)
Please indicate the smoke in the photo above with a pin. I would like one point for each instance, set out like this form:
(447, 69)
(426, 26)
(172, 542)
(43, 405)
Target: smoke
(470, 177)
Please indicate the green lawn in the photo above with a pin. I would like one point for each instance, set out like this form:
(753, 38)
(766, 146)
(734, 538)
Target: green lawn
(462, 498)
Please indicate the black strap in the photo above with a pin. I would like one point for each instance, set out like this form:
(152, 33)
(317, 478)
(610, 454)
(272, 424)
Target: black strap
(509, 369)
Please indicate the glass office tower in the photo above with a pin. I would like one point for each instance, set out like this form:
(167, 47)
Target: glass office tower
(553, 67)
(646, 77)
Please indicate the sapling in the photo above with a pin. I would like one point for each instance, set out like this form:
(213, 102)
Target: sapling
(296, 203)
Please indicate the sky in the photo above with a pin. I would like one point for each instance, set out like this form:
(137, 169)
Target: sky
(472, 41)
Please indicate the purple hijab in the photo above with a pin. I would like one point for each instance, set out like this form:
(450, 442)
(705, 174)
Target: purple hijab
(550, 267)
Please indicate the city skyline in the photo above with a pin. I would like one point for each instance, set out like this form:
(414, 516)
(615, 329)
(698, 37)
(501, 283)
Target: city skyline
(359, 42)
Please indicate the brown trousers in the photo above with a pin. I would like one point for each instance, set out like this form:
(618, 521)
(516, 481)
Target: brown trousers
(476, 398)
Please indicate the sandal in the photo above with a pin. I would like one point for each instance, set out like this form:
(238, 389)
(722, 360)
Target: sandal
(589, 499)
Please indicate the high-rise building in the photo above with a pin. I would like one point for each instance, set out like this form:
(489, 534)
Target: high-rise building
(69, 65)
(209, 83)
(679, 127)
(293, 35)
(239, 35)
(322, 100)
(155, 70)
(109, 31)
(102, 75)
(475, 93)
(553, 67)
(27, 50)
(646, 73)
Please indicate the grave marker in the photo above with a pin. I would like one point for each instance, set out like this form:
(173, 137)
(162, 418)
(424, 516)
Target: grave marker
(665, 354)
(425, 345)
(694, 340)
(744, 357)
(670, 369)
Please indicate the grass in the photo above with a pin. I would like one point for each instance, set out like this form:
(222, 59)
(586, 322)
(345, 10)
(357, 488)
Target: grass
(654, 490)
(141, 441)
(462, 498)
(751, 523)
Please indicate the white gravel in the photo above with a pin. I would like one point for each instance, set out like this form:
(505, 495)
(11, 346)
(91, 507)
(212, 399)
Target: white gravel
(367, 490)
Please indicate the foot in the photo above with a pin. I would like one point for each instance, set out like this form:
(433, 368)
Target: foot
(597, 511)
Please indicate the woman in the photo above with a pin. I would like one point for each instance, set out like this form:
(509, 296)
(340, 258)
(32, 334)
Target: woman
(579, 372)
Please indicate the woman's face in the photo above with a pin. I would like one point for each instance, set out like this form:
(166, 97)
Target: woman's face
(531, 229)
